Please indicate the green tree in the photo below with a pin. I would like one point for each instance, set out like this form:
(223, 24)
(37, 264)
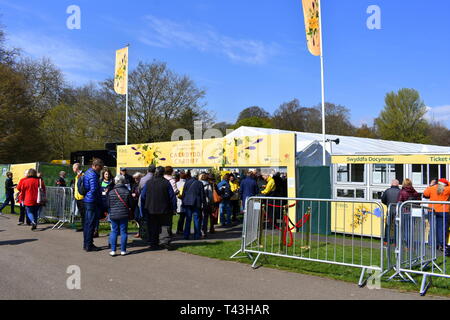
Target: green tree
(253, 112)
(366, 132)
(403, 118)
(160, 101)
(439, 134)
(20, 141)
(337, 119)
(293, 117)
(254, 122)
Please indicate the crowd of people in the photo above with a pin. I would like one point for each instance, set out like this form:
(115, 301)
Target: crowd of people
(438, 191)
(151, 200)
(200, 199)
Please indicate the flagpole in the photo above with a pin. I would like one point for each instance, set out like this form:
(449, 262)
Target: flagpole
(323, 87)
(126, 99)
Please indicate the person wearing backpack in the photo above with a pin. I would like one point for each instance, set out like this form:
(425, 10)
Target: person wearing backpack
(225, 206)
(119, 202)
(78, 197)
(90, 187)
(208, 189)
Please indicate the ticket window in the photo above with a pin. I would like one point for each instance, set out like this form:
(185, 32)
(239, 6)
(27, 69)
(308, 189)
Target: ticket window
(350, 173)
(422, 174)
(385, 173)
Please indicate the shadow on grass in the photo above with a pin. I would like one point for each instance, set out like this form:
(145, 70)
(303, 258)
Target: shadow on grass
(16, 242)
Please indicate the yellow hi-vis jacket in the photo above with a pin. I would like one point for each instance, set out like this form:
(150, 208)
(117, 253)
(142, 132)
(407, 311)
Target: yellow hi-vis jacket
(270, 186)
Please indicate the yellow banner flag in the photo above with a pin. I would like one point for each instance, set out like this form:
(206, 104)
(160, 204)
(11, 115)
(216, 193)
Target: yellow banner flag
(121, 75)
(311, 10)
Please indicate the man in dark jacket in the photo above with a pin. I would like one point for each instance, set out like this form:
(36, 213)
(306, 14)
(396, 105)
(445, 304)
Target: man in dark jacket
(249, 188)
(129, 181)
(390, 196)
(159, 202)
(119, 202)
(92, 203)
(193, 201)
(9, 193)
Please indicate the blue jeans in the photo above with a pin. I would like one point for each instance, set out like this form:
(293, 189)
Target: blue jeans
(116, 226)
(32, 213)
(440, 230)
(192, 212)
(225, 208)
(90, 221)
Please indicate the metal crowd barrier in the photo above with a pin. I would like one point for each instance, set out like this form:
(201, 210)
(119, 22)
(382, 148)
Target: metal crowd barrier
(59, 206)
(417, 242)
(339, 232)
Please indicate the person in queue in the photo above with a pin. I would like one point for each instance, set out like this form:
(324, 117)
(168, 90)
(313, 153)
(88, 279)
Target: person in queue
(193, 202)
(119, 204)
(78, 197)
(249, 188)
(135, 194)
(180, 209)
(92, 202)
(29, 189)
(440, 193)
(23, 213)
(159, 203)
(208, 190)
(389, 199)
(61, 181)
(225, 206)
(234, 200)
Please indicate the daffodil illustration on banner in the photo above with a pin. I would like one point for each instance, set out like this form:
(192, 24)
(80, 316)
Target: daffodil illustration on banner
(311, 10)
(121, 75)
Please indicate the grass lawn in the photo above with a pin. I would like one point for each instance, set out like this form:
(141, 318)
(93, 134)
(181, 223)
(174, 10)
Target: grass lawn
(222, 250)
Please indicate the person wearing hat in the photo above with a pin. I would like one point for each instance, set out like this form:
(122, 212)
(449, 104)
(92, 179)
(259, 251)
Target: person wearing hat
(129, 181)
(440, 193)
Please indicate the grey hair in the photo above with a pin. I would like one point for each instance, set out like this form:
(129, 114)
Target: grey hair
(138, 175)
(119, 179)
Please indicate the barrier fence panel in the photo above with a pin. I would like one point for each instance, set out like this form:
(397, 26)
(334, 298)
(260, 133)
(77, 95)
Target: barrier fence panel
(59, 206)
(422, 228)
(355, 240)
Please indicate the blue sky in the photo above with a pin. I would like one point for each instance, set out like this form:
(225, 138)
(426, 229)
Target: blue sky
(252, 52)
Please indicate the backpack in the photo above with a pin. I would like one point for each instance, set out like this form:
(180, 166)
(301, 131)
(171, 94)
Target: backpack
(80, 186)
(225, 192)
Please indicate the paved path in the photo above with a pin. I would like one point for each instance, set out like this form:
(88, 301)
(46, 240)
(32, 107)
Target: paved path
(33, 265)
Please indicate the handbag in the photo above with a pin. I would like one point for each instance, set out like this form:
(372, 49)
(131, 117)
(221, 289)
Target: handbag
(216, 197)
(41, 198)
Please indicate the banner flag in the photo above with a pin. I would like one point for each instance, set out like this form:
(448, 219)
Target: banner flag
(121, 74)
(311, 10)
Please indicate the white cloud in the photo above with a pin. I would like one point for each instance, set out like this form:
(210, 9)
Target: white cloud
(441, 113)
(169, 34)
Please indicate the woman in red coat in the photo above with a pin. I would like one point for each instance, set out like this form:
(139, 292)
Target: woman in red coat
(29, 190)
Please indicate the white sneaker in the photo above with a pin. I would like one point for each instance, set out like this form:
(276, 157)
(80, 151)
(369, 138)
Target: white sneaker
(123, 253)
(112, 253)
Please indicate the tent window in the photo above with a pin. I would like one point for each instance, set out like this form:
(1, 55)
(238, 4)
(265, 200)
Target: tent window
(351, 173)
(351, 193)
(385, 173)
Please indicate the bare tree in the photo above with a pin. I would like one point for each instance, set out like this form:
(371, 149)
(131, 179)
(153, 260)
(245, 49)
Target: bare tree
(161, 101)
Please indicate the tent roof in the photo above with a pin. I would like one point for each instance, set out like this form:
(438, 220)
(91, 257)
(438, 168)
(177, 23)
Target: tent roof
(348, 145)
